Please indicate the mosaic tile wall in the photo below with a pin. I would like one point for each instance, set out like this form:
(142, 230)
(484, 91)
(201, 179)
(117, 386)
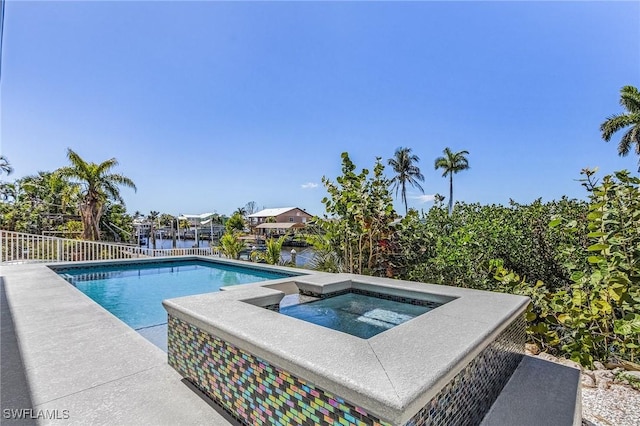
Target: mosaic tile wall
(250, 389)
(466, 399)
(258, 393)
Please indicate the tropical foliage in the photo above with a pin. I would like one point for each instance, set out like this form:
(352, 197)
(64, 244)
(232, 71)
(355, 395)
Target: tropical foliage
(116, 224)
(6, 189)
(167, 220)
(597, 315)
(583, 258)
(98, 185)
(40, 203)
(272, 253)
(406, 172)
(48, 203)
(325, 257)
(452, 163)
(629, 120)
(231, 245)
(5, 167)
(358, 220)
(457, 250)
(184, 225)
(603, 314)
(235, 223)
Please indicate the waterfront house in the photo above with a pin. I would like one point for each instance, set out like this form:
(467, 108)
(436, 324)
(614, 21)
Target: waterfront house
(278, 220)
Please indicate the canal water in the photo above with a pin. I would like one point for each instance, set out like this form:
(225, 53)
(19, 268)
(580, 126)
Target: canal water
(303, 254)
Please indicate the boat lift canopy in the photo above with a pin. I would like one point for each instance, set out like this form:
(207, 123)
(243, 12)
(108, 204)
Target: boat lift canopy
(197, 220)
(195, 217)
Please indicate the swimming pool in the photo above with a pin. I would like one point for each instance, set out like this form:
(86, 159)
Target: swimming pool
(134, 292)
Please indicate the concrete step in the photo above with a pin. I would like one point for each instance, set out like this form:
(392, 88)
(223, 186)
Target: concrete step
(539, 393)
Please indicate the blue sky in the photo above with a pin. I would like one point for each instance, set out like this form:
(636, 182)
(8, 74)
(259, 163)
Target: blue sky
(209, 105)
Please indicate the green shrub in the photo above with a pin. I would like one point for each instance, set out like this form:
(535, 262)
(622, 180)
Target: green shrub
(273, 253)
(597, 316)
(456, 250)
(231, 245)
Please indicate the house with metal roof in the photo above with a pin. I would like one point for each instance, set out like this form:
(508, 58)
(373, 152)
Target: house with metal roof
(278, 220)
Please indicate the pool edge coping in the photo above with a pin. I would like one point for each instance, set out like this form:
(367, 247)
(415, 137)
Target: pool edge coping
(228, 317)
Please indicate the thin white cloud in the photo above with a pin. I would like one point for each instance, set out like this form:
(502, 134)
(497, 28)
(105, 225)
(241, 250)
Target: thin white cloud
(309, 185)
(424, 198)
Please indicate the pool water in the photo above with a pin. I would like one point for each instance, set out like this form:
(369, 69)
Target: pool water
(360, 315)
(134, 293)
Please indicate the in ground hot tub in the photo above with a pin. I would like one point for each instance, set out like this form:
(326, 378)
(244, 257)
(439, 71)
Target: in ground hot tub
(443, 365)
(359, 313)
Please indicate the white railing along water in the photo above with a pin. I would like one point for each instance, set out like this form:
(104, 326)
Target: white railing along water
(17, 247)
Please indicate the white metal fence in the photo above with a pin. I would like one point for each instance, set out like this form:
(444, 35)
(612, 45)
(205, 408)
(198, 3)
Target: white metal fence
(16, 247)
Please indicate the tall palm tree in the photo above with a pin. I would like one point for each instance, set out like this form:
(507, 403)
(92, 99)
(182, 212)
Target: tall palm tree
(403, 164)
(630, 100)
(451, 163)
(98, 185)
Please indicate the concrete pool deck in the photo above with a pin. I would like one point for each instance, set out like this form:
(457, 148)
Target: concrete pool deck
(64, 356)
(69, 361)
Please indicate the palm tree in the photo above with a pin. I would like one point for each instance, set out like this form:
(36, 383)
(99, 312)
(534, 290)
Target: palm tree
(99, 185)
(630, 100)
(231, 245)
(406, 172)
(451, 163)
(235, 223)
(5, 167)
(273, 253)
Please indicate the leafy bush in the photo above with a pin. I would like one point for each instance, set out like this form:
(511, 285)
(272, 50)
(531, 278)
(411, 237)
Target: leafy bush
(602, 308)
(231, 245)
(273, 253)
(235, 223)
(358, 222)
(457, 249)
(596, 317)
